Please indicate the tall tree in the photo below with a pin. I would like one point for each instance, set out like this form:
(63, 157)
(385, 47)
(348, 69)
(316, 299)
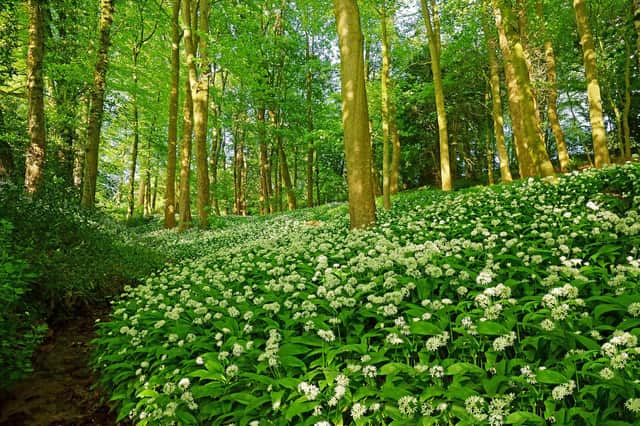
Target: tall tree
(530, 123)
(185, 159)
(172, 140)
(552, 102)
(97, 104)
(37, 134)
(596, 116)
(498, 121)
(196, 47)
(384, 79)
(138, 43)
(431, 20)
(636, 24)
(355, 116)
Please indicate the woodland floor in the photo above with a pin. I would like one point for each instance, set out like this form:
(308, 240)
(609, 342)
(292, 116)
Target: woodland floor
(60, 390)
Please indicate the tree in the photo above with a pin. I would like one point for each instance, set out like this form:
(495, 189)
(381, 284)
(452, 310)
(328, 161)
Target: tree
(431, 20)
(172, 140)
(196, 44)
(355, 116)
(36, 126)
(185, 159)
(552, 105)
(97, 103)
(498, 121)
(596, 117)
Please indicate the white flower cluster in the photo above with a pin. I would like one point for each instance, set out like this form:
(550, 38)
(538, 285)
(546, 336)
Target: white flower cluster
(271, 349)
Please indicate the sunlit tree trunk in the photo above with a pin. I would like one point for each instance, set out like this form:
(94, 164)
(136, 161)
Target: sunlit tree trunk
(311, 144)
(530, 124)
(384, 90)
(265, 193)
(35, 120)
(431, 19)
(525, 163)
(498, 121)
(185, 160)
(394, 183)
(596, 117)
(636, 24)
(97, 103)
(172, 141)
(217, 146)
(355, 116)
(200, 96)
(627, 103)
(134, 161)
(552, 107)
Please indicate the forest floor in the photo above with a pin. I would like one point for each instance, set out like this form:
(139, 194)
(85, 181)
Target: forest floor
(60, 391)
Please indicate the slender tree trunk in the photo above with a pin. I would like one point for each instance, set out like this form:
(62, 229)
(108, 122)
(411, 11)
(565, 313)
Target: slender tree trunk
(636, 24)
(311, 145)
(265, 196)
(430, 14)
(200, 96)
(552, 107)
(627, 103)
(355, 116)
(394, 183)
(35, 157)
(525, 163)
(384, 78)
(185, 160)
(489, 151)
(282, 161)
(498, 121)
(97, 103)
(596, 117)
(530, 122)
(134, 160)
(317, 167)
(170, 191)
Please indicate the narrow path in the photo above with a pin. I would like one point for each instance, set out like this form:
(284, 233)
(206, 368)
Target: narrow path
(59, 392)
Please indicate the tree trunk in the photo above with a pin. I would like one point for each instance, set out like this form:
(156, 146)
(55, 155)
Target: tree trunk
(627, 103)
(97, 103)
(498, 121)
(266, 204)
(384, 90)
(430, 14)
(185, 160)
(596, 117)
(170, 191)
(552, 107)
(394, 183)
(355, 116)
(311, 146)
(134, 160)
(530, 122)
(35, 157)
(636, 24)
(525, 163)
(200, 96)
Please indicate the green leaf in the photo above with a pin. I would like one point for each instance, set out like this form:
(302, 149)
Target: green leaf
(550, 377)
(423, 328)
(523, 417)
(607, 308)
(490, 328)
(394, 368)
(463, 368)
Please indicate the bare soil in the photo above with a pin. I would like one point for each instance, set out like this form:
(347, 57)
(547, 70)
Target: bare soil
(61, 389)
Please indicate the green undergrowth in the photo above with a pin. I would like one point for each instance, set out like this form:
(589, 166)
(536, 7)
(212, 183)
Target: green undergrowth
(512, 304)
(56, 262)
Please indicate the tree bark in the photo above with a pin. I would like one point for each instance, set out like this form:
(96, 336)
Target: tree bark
(185, 159)
(430, 14)
(35, 157)
(596, 117)
(311, 145)
(97, 104)
(172, 141)
(552, 107)
(498, 121)
(627, 103)
(636, 24)
(530, 125)
(355, 116)
(134, 160)
(200, 96)
(384, 90)
(265, 190)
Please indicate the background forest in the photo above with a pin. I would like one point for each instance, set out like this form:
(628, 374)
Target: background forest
(172, 225)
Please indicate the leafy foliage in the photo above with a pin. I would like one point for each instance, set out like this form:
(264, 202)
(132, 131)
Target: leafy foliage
(506, 305)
